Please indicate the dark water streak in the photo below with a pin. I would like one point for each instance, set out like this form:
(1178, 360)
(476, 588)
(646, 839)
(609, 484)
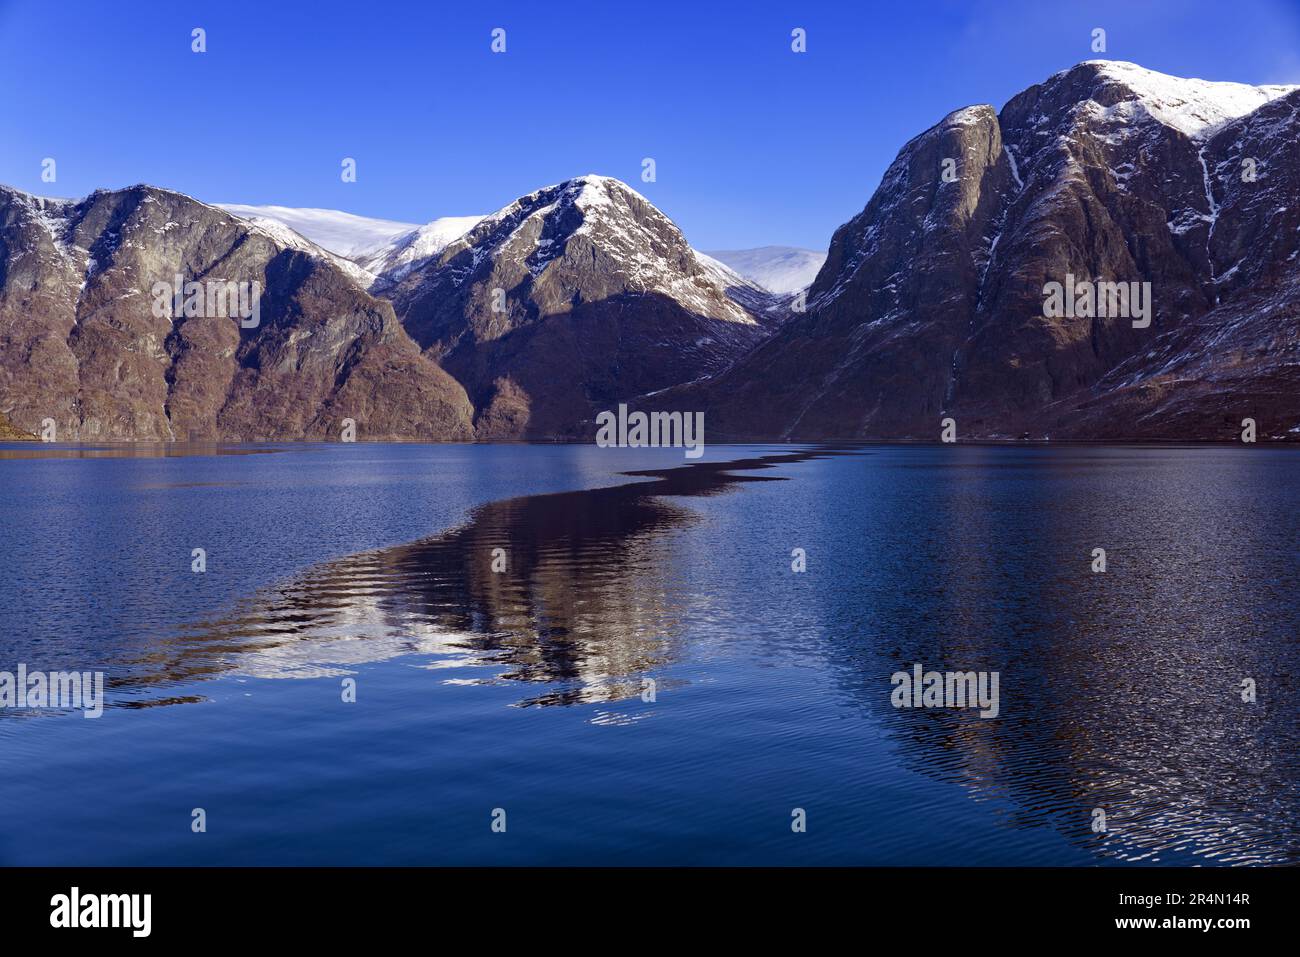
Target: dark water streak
(585, 604)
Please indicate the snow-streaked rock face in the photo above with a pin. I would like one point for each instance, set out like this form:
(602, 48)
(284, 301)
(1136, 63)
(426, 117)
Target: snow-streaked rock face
(779, 269)
(931, 300)
(80, 342)
(585, 276)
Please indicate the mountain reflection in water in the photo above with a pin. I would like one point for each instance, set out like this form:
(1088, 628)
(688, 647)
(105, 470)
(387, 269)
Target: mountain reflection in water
(587, 602)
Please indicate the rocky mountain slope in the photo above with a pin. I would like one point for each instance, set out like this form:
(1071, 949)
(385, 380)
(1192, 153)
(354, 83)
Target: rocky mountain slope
(932, 300)
(574, 298)
(9, 433)
(81, 341)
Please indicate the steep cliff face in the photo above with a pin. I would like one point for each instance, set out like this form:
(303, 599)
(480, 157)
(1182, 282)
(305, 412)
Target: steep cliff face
(888, 309)
(1127, 177)
(82, 343)
(571, 299)
(931, 301)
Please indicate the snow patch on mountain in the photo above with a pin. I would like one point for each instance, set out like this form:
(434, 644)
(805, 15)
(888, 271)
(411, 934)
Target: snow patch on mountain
(1196, 108)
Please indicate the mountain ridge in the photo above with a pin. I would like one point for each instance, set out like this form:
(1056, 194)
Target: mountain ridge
(383, 246)
(929, 304)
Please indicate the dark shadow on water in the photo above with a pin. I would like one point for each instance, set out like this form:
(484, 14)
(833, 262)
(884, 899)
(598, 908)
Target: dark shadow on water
(575, 590)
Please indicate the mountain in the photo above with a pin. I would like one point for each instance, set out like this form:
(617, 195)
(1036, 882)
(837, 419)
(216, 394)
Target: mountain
(601, 299)
(288, 238)
(571, 299)
(933, 301)
(982, 282)
(779, 269)
(82, 343)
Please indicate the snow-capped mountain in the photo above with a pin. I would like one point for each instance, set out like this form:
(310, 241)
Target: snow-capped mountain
(1196, 108)
(585, 276)
(277, 230)
(779, 269)
(931, 303)
(388, 250)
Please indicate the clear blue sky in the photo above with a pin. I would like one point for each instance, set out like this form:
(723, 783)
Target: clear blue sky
(755, 145)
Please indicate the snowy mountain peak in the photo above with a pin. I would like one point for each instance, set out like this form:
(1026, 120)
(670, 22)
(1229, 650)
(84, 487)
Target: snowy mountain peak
(639, 249)
(1196, 108)
(970, 115)
(594, 190)
(587, 194)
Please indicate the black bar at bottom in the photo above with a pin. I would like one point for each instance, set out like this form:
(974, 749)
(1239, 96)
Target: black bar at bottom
(332, 905)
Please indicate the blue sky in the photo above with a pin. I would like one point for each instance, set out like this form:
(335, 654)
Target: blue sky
(754, 144)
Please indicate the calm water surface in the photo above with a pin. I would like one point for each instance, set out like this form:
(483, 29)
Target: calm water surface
(522, 689)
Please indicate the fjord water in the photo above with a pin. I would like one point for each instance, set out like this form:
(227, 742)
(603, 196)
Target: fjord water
(522, 689)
